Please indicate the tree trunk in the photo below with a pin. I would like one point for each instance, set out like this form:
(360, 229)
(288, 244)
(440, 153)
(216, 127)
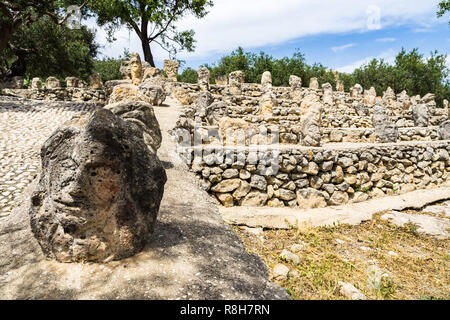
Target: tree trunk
(8, 30)
(145, 43)
(147, 52)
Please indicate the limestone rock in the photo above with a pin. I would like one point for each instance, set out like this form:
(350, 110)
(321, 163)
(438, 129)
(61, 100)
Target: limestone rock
(420, 115)
(203, 101)
(296, 87)
(52, 83)
(221, 80)
(36, 83)
(140, 114)
(444, 130)
(225, 186)
(151, 73)
(128, 92)
(215, 112)
(233, 131)
(290, 257)
(254, 199)
(310, 198)
(203, 75)
(99, 192)
(136, 69)
(95, 82)
(327, 94)
(266, 81)
(71, 82)
(356, 90)
(155, 94)
(171, 69)
(280, 272)
(340, 86)
(350, 292)
(125, 70)
(267, 102)
(235, 81)
(310, 125)
(313, 83)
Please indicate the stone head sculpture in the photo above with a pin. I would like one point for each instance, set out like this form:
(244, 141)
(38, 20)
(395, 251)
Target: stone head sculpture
(99, 191)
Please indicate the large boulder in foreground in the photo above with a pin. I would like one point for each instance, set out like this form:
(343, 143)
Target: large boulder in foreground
(99, 191)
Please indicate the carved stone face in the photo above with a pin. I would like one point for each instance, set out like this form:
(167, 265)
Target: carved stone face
(136, 69)
(99, 191)
(215, 112)
(84, 180)
(391, 133)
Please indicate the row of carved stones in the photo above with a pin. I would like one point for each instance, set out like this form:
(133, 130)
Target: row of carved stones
(318, 177)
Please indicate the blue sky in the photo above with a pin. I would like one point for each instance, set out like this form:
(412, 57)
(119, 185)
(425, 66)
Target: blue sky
(341, 34)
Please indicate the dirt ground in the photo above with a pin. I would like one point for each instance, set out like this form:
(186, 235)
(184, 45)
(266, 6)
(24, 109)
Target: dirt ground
(382, 260)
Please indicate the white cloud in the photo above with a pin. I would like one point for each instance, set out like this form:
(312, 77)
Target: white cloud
(255, 23)
(388, 56)
(386, 40)
(343, 47)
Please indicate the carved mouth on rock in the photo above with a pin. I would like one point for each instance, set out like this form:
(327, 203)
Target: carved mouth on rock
(72, 205)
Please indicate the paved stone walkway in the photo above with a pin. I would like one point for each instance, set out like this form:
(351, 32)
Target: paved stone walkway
(24, 126)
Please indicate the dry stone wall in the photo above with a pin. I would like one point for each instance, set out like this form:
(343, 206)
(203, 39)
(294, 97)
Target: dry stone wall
(259, 145)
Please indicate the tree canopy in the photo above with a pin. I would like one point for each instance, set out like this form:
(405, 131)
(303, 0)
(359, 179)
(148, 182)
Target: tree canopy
(152, 20)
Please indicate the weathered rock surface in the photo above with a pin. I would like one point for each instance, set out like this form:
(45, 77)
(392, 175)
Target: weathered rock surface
(171, 69)
(432, 226)
(140, 114)
(99, 192)
(444, 130)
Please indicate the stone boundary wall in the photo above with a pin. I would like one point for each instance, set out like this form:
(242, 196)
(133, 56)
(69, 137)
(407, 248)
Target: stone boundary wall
(309, 177)
(60, 94)
(292, 135)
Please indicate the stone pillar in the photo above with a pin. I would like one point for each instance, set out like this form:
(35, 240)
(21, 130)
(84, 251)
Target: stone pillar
(327, 93)
(36, 83)
(203, 75)
(370, 96)
(420, 115)
(71, 82)
(125, 70)
(310, 125)
(340, 86)
(236, 79)
(171, 69)
(266, 103)
(52, 83)
(266, 81)
(389, 96)
(136, 69)
(313, 83)
(384, 129)
(95, 82)
(296, 87)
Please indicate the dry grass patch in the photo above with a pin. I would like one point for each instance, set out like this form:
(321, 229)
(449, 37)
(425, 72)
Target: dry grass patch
(380, 259)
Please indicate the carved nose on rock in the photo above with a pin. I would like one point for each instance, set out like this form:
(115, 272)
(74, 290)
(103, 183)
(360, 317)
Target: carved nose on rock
(74, 188)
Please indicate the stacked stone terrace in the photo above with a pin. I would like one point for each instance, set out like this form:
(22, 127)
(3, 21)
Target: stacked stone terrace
(259, 145)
